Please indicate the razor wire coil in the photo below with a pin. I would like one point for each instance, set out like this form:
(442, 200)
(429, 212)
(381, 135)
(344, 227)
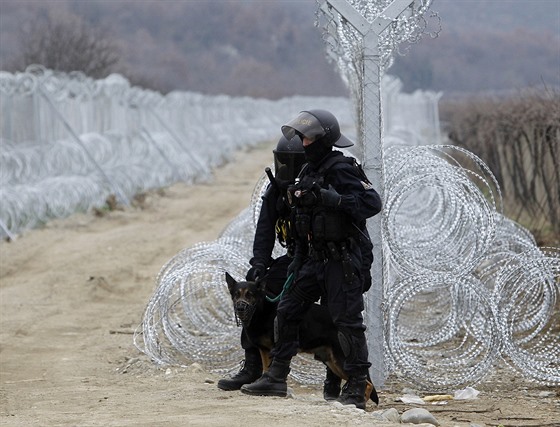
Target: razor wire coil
(446, 326)
(442, 220)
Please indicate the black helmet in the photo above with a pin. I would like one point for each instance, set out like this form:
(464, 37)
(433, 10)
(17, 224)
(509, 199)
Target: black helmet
(289, 157)
(319, 125)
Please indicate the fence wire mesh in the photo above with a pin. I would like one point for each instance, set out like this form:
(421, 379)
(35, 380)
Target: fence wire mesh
(466, 287)
(464, 283)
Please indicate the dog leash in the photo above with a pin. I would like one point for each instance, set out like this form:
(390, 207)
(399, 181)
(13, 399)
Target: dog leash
(287, 285)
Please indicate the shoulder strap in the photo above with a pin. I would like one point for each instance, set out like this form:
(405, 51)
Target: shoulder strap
(333, 161)
(303, 169)
(343, 159)
(329, 163)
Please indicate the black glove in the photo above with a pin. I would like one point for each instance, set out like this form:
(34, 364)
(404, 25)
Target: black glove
(255, 272)
(330, 197)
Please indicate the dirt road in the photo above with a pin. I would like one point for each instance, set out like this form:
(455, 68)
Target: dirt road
(73, 292)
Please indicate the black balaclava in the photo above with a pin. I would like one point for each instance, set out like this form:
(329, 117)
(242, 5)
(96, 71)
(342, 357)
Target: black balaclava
(316, 152)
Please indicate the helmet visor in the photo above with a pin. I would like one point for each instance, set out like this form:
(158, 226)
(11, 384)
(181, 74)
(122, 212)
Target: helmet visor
(287, 165)
(305, 125)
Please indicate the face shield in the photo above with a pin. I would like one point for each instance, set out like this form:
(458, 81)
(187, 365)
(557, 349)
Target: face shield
(304, 124)
(287, 165)
(317, 125)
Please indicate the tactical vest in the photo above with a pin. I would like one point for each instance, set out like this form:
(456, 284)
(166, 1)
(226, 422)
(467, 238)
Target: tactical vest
(329, 230)
(324, 225)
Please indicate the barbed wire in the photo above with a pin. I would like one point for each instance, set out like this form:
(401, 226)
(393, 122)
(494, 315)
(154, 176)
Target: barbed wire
(190, 317)
(69, 142)
(453, 259)
(454, 305)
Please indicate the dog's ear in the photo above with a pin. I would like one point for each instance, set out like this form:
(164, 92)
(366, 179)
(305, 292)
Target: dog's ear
(230, 281)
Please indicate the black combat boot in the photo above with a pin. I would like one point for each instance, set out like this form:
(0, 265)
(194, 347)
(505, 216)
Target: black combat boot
(354, 392)
(331, 386)
(272, 383)
(250, 371)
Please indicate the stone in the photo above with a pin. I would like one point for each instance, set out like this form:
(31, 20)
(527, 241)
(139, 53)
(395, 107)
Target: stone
(418, 416)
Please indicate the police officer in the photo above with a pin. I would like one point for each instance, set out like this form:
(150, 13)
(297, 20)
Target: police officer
(331, 201)
(273, 223)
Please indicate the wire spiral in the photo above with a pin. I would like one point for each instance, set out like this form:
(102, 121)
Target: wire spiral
(527, 299)
(440, 331)
(437, 219)
(466, 285)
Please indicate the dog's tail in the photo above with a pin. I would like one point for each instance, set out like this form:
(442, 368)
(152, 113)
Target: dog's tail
(370, 389)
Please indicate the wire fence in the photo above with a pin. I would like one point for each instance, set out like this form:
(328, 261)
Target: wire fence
(68, 142)
(467, 286)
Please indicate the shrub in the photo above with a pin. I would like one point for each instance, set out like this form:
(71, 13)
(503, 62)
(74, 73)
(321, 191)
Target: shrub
(519, 138)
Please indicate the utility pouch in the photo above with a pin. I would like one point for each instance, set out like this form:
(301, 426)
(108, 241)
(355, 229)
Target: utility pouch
(347, 266)
(332, 223)
(282, 229)
(319, 228)
(303, 225)
(333, 251)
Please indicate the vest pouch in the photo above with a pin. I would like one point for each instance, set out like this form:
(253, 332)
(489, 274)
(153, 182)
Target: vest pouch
(302, 225)
(319, 228)
(332, 226)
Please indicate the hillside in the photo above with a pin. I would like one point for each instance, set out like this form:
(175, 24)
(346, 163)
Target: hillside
(272, 49)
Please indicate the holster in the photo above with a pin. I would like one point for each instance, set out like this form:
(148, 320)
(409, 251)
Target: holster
(337, 252)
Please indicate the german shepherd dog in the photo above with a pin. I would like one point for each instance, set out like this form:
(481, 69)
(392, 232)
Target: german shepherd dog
(318, 334)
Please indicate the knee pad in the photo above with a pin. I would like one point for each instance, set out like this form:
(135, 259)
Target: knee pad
(352, 342)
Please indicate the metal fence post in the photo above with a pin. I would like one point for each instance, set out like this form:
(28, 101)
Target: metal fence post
(371, 140)
(120, 195)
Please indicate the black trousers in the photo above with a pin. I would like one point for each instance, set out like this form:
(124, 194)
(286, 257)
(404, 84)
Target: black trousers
(344, 298)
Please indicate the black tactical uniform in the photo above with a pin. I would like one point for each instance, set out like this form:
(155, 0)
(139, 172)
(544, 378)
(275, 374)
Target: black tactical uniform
(331, 201)
(273, 223)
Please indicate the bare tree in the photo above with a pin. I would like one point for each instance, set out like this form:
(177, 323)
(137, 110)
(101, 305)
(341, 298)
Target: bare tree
(66, 43)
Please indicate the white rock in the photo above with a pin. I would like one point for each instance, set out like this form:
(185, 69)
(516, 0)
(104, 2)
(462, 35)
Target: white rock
(418, 416)
(390, 415)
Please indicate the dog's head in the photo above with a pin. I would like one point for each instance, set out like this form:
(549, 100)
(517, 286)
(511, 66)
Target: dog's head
(246, 297)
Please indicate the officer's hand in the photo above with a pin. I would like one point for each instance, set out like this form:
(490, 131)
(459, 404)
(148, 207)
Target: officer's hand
(255, 272)
(330, 197)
